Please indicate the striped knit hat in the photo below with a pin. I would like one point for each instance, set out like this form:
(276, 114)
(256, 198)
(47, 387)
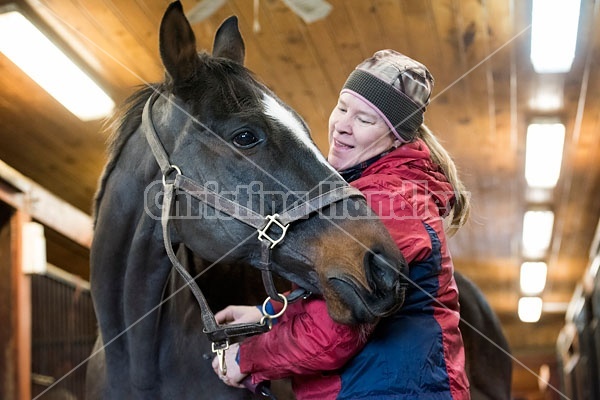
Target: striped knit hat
(397, 87)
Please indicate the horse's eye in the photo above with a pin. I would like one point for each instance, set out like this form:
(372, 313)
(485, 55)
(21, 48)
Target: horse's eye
(245, 140)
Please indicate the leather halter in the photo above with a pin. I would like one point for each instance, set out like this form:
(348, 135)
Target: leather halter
(219, 334)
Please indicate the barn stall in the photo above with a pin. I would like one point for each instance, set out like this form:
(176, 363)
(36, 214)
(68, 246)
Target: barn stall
(49, 324)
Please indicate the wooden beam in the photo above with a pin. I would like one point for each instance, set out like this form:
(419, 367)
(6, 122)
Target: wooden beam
(22, 301)
(25, 195)
(15, 309)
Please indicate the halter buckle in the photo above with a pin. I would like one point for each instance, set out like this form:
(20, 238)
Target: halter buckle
(262, 233)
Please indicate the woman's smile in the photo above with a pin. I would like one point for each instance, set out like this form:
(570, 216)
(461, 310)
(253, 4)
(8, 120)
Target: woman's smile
(341, 146)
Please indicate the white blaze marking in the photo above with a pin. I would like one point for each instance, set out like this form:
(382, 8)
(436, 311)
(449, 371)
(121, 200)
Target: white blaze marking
(278, 112)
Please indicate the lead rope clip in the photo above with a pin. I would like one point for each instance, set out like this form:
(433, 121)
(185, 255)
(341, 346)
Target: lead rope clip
(220, 350)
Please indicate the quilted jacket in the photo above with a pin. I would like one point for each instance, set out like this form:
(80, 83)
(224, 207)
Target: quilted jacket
(415, 354)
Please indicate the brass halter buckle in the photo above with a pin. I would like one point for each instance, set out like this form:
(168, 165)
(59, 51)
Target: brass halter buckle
(262, 233)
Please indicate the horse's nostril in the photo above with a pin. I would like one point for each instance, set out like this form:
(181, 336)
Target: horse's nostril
(382, 274)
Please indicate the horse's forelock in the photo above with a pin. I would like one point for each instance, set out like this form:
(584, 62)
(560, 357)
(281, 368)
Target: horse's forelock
(224, 83)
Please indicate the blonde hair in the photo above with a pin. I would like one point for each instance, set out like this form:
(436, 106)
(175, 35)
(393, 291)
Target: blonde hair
(439, 155)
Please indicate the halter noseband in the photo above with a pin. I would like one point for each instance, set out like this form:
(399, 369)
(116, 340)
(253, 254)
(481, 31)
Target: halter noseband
(220, 334)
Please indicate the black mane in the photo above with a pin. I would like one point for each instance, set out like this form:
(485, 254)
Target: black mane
(125, 121)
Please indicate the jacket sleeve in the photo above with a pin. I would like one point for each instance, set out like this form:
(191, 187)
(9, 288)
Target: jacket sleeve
(305, 341)
(402, 220)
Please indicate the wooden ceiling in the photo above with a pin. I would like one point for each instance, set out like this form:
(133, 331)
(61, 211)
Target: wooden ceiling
(485, 94)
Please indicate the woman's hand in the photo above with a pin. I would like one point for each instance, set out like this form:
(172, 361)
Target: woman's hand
(234, 376)
(238, 315)
(234, 315)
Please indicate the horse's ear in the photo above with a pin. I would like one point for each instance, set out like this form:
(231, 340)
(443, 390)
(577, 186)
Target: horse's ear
(228, 41)
(177, 43)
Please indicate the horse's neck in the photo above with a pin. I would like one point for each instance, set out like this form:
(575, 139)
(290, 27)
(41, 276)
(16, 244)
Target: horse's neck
(125, 233)
(129, 269)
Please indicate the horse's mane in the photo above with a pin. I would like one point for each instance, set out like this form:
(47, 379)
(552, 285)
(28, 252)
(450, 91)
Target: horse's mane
(122, 125)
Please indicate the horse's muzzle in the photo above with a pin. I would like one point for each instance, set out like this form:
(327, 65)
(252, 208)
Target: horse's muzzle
(384, 295)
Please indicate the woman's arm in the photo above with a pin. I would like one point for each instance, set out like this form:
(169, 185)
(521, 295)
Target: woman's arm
(305, 340)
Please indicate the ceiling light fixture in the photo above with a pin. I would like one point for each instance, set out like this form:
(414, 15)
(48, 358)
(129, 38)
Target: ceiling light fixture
(533, 277)
(543, 154)
(530, 309)
(26, 46)
(554, 25)
(309, 10)
(537, 233)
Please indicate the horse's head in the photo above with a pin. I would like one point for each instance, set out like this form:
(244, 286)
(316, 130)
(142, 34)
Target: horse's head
(223, 129)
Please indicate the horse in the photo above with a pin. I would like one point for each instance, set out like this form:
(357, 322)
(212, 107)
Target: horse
(211, 162)
(487, 352)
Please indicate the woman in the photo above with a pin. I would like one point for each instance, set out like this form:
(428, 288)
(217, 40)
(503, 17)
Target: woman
(379, 143)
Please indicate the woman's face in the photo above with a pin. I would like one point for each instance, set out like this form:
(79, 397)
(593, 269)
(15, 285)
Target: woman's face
(356, 133)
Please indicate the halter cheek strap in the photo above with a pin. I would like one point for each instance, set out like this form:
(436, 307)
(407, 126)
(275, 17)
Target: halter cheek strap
(216, 333)
(220, 334)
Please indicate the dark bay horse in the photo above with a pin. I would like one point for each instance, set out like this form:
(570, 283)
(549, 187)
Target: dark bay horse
(487, 353)
(211, 162)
